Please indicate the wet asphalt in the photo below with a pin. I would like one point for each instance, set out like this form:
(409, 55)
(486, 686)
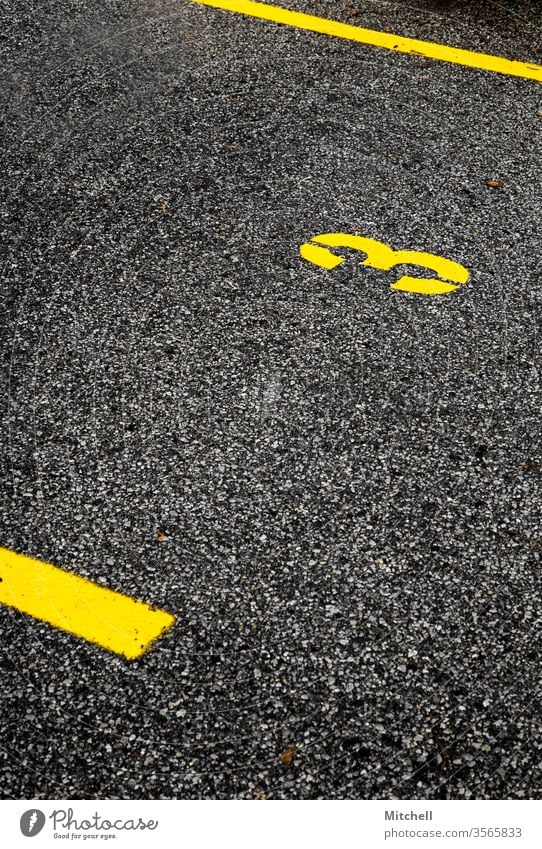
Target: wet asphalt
(335, 487)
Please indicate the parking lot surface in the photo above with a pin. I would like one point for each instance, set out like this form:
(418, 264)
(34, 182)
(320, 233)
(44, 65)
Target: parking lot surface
(332, 485)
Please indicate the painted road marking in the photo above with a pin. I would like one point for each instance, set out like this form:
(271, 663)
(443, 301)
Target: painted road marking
(380, 255)
(114, 621)
(398, 43)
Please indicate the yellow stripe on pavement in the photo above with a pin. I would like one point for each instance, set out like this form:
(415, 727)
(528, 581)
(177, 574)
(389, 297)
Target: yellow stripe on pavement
(300, 20)
(114, 621)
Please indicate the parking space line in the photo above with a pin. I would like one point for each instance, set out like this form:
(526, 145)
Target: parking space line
(400, 44)
(114, 621)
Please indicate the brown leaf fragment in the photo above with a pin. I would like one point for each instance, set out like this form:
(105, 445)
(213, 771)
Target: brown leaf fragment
(287, 757)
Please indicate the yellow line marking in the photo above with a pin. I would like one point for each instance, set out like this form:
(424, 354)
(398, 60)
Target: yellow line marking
(379, 255)
(400, 44)
(114, 621)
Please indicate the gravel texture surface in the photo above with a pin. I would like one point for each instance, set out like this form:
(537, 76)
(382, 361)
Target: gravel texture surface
(334, 487)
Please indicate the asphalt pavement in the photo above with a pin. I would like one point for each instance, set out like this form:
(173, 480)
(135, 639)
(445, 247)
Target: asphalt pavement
(332, 485)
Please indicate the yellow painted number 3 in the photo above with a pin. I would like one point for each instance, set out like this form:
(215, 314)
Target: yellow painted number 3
(450, 274)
